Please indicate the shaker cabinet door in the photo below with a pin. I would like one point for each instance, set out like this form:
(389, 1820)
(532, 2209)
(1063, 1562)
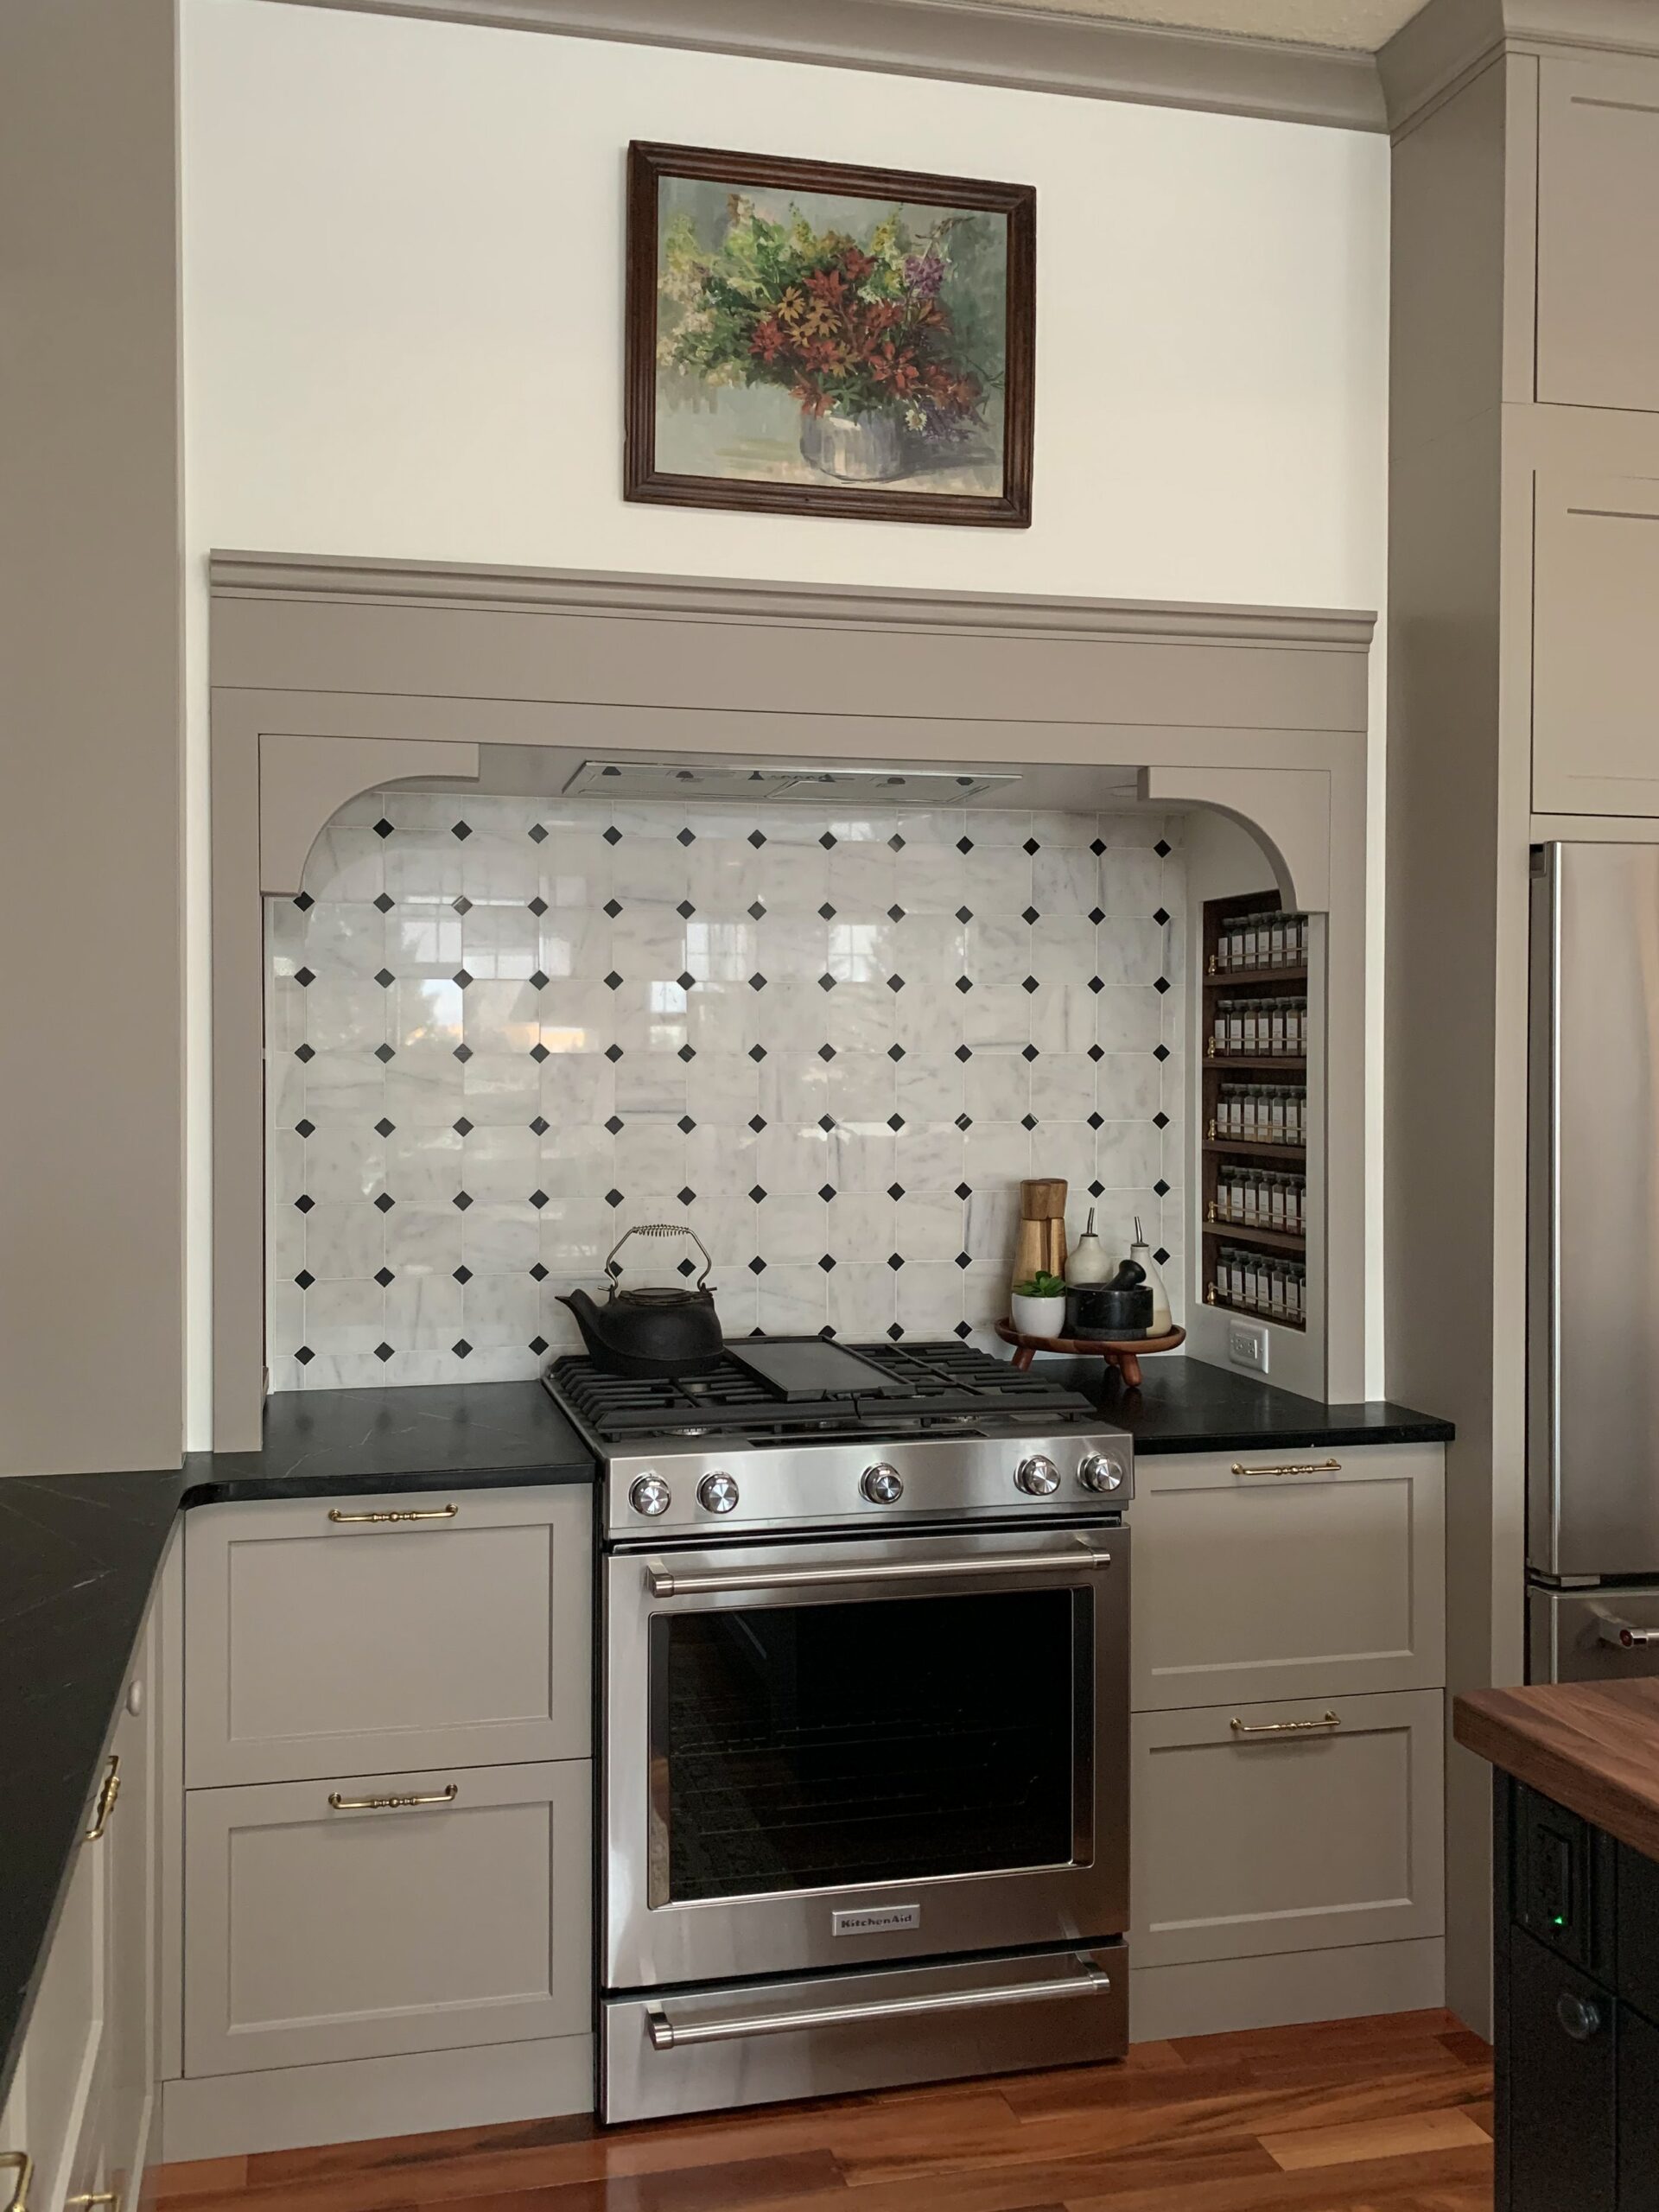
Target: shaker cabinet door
(1563, 2086)
(1598, 307)
(1595, 646)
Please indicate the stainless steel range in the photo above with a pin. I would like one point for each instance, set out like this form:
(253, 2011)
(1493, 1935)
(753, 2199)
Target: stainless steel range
(864, 1779)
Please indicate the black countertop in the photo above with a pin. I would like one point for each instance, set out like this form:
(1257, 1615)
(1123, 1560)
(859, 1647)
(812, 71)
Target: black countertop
(80, 1553)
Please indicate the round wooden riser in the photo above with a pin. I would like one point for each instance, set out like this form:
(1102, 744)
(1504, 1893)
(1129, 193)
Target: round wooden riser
(1125, 1356)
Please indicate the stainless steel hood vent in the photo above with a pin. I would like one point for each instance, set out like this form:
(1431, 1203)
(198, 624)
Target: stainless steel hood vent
(625, 780)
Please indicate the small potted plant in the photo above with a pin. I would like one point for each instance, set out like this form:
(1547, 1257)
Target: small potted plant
(1040, 1307)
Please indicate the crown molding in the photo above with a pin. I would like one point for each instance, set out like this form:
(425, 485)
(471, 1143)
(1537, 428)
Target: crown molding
(1449, 41)
(968, 42)
(633, 597)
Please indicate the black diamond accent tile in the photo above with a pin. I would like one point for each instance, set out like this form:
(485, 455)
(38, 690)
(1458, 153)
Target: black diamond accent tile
(965, 1053)
(1027, 1121)
(1096, 1120)
(1161, 985)
(1030, 914)
(305, 1355)
(1161, 849)
(895, 1331)
(757, 1053)
(304, 1052)
(687, 838)
(613, 1052)
(612, 835)
(384, 1277)
(1096, 1052)
(895, 1261)
(386, 1202)
(895, 984)
(1098, 847)
(964, 1190)
(1160, 1051)
(1096, 985)
(757, 1193)
(828, 1264)
(461, 831)
(537, 832)
(826, 913)
(1160, 1120)
(895, 913)
(962, 1329)
(964, 985)
(304, 1203)
(895, 1121)
(895, 844)
(964, 844)
(1161, 1187)
(826, 982)
(895, 1191)
(463, 1275)
(895, 1052)
(757, 1122)
(304, 978)
(757, 1266)
(538, 1346)
(1028, 1052)
(965, 1259)
(305, 902)
(687, 1052)
(826, 1122)
(612, 907)
(1097, 914)
(688, 1267)
(687, 1124)
(305, 1279)
(383, 1128)
(1161, 916)
(382, 828)
(1096, 1190)
(384, 904)
(614, 1124)
(827, 841)
(826, 1054)
(538, 981)
(685, 979)
(304, 1129)
(756, 912)
(461, 905)
(538, 1273)
(462, 1349)
(757, 838)
(538, 1053)
(538, 907)
(462, 976)
(460, 1201)
(1032, 845)
(613, 1197)
(964, 913)
(826, 1191)
(539, 1127)
(382, 1052)
(1030, 983)
(686, 1195)
(613, 981)
(685, 909)
(964, 1120)
(1162, 1257)
(757, 982)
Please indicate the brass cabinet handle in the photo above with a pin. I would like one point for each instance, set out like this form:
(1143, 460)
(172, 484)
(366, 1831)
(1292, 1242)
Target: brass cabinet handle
(110, 2197)
(18, 2162)
(1292, 1467)
(391, 1804)
(404, 1513)
(1283, 1728)
(109, 1791)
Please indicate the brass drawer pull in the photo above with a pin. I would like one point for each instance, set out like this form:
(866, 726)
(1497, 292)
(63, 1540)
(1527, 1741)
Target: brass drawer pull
(405, 1513)
(1283, 1728)
(391, 1804)
(1292, 1467)
(18, 2162)
(108, 1792)
(91, 2196)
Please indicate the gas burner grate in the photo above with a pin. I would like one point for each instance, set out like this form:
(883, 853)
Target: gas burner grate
(947, 1385)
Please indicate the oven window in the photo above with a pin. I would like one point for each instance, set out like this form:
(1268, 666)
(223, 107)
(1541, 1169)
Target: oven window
(826, 1746)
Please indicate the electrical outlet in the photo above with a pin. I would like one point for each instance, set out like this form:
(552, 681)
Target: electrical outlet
(1247, 1345)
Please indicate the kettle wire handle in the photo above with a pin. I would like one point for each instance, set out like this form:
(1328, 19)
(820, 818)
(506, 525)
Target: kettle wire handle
(657, 1229)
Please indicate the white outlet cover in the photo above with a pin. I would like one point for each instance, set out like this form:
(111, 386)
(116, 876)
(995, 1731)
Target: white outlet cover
(1247, 1346)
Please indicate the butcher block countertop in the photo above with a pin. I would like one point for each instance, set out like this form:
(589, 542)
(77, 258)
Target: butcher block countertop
(1591, 1746)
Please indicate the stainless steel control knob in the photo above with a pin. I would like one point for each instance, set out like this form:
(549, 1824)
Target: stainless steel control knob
(1037, 1477)
(1098, 1471)
(649, 1496)
(882, 1484)
(717, 1493)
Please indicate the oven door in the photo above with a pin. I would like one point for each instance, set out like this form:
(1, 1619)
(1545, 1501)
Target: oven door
(838, 1752)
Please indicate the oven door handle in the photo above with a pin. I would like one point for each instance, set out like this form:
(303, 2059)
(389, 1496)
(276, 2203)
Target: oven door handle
(1088, 1980)
(663, 1584)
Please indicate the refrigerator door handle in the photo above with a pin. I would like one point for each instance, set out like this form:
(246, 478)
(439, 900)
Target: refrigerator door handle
(1623, 1635)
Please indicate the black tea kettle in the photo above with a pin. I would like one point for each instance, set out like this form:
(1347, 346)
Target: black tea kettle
(651, 1334)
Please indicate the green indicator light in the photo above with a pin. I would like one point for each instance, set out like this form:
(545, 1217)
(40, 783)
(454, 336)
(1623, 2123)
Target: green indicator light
(1559, 1920)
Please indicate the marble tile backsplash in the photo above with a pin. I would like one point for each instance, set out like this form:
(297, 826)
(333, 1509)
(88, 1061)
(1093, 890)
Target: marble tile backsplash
(500, 1031)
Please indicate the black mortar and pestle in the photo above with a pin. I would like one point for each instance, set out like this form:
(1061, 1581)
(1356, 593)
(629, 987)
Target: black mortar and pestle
(1113, 1311)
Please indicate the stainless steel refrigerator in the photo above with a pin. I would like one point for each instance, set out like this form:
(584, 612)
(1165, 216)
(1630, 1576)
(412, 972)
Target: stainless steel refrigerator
(1592, 1334)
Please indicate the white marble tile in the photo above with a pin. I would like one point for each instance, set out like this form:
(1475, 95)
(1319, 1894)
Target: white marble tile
(929, 1227)
(348, 1317)
(1127, 1154)
(862, 1089)
(649, 872)
(1129, 949)
(500, 1237)
(929, 1156)
(721, 1160)
(343, 1162)
(722, 1088)
(501, 1310)
(725, 953)
(1131, 879)
(503, 1017)
(423, 1236)
(424, 938)
(345, 1082)
(578, 1087)
(423, 1312)
(343, 940)
(1063, 1084)
(501, 1087)
(653, 1083)
(996, 1152)
(793, 1159)
(861, 1158)
(345, 1014)
(1127, 1017)
(793, 1230)
(999, 880)
(498, 1160)
(996, 1085)
(650, 1156)
(576, 1232)
(999, 951)
(1063, 948)
(791, 1302)
(1065, 879)
(1065, 1150)
(1127, 1086)
(501, 941)
(862, 1301)
(860, 1228)
(347, 863)
(929, 1089)
(1050, 827)
(930, 1297)
(998, 1014)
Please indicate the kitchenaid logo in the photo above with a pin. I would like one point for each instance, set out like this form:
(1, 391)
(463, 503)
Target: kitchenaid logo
(880, 1921)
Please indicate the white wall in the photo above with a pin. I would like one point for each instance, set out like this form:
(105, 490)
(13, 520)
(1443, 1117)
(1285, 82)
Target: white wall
(403, 291)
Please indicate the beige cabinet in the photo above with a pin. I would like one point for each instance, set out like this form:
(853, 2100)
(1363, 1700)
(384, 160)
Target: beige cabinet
(385, 1914)
(1595, 670)
(1283, 1574)
(1289, 1826)
(374, 1635)
(1597, 306)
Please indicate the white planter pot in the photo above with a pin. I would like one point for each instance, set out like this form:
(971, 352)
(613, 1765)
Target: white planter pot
(1039, 1317)
(856, 448)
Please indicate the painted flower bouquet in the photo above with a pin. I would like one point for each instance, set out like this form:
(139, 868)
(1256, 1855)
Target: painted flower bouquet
(864, 337)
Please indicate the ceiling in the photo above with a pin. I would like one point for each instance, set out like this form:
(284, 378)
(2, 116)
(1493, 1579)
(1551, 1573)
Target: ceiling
(1355, 24)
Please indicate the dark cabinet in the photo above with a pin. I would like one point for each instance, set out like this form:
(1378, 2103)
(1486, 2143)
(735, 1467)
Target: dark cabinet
(1638, 2114)
(1563, 2086)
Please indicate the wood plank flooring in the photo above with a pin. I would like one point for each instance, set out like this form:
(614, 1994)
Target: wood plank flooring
(1391, 2114)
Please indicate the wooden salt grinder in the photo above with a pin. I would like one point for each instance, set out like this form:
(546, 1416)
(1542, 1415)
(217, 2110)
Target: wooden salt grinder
(1040, 1247)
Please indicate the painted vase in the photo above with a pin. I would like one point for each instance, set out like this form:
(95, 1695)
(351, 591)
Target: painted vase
(853, 448)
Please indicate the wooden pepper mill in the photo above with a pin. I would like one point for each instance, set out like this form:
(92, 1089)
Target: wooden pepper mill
(1039, 1247)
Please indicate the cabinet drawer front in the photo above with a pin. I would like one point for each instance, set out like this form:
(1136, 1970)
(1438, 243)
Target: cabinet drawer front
(1595, 650)
(318, 1642)
(1251, 1583)
(314, 1932)
(1247, 1840)
(1599, 235)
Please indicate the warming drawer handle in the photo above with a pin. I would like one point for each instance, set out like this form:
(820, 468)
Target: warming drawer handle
(662, 1583)
(671, 2035)
(1623, 1636)
(403, 1513)
(1283, 1728)
(393, 1804)
(1292, 1467)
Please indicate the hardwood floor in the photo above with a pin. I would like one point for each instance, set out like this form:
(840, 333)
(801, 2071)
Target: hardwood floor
(1377, 2115)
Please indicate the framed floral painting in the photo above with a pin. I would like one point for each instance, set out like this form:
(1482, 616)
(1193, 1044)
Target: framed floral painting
(822, 340)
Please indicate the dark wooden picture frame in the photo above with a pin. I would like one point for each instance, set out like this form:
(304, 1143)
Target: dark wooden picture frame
(645, 479)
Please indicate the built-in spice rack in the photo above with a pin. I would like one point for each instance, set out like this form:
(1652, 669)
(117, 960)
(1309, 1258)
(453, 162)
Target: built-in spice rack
(1253, 1038)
